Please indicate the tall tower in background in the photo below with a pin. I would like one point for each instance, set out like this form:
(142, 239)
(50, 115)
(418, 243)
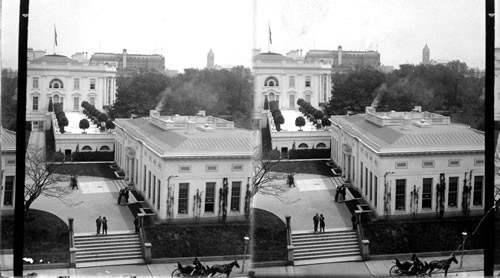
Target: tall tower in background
(210, 59)
(426, 55)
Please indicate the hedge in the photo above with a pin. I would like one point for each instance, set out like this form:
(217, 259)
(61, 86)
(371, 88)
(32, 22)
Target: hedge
(309, 153)
(93, 156)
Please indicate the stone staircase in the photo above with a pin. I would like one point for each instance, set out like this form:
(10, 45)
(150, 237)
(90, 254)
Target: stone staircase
(111, 249)
(333, 245)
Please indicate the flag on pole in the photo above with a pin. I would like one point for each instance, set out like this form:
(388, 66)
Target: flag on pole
(55, 34)
(270, 39)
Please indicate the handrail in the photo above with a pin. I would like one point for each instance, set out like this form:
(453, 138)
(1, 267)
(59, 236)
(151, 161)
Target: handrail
(359, 231)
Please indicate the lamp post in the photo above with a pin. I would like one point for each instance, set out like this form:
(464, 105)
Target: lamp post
(464, 237)
(246, 240)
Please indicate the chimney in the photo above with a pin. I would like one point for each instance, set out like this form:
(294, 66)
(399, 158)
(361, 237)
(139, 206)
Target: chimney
(124, 58)
(339, 53)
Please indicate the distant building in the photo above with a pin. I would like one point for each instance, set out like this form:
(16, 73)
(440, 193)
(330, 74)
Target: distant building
(127, 61)
(181, 164)
(344, 58)
(387, 69)
(426, 55)
(398, 160)
(285, 79)
(210, 59)
(8, 171)
(171, 73)
(63, 80)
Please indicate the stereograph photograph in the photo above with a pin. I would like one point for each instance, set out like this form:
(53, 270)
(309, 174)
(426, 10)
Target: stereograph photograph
(280, 138)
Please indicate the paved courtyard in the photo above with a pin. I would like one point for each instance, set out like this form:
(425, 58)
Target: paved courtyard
(312, 194)
(289, 125)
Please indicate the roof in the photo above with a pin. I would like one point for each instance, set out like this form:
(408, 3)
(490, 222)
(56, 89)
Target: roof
(270, 56)
(8, 139)
(54, 59)
(171, 143)
(451, 137)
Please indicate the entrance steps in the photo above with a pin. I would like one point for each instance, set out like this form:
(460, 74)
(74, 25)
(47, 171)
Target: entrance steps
(339, 245)
(110, 249)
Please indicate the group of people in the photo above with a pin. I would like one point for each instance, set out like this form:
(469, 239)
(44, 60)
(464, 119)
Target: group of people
(124, 193)
(73, 182)
(341, 191)
(102, 223)
(319, 219)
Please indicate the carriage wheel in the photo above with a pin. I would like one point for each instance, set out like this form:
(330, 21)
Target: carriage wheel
(394, 271)
(177, 273)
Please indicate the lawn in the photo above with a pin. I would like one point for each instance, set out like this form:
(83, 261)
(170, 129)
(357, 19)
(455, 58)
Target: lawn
(269, 234)
(87, 169)
(303, 167)
(196, 240)
(389, 237)
(45, 237)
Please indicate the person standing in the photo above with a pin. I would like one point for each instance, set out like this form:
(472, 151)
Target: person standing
(321, 223)
(125, 193)
(292, 180)
(354, 221)
(315, 221)
(104, 226)
(343, 191)
(98, 223)
(120, 196)
(337, 193)
(136, 224)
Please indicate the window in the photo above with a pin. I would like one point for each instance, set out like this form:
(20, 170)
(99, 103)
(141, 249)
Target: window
(11, 162)
(478, 162)
(308, 81)
(154, 189)
(401, 164)
(454, 163)
(371, 186)
(428, 164)
(320, 146)
(361, 175)
(105, 148)
(211, 168)
(291, 81)
(400, 194)
(92, 84)
(366, 182)
(35, 103)
(8, 191)
(76, 84)
(56, 84)
(210, 197)
(308, 98)
(237, 168)
(159, 194)
(183, 198)
(92, 101)
(376, 184)
(86, 148)
(452, 191)
(271, 82)
(427, 193)
(291, 101)
(478, 191)
(149, 184)
(144, 184)
(184, 169)
(303, 146)
(76, 101)
(235, 195)
(35, 82)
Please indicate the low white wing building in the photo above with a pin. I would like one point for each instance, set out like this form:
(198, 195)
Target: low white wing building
(181, 164)
(411, 163)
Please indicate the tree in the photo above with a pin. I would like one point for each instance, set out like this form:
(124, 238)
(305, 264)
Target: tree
(84, 124)
(110, 124)
(264, 178)
(62, 122)
(300, 122)
(278, 121)
(326, 122)
(41, 178)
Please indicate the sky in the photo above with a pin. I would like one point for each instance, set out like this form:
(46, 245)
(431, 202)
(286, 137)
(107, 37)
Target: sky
(184, 31)
(398, 29)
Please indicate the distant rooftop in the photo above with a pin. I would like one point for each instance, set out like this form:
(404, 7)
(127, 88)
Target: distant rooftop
(54, 58)
(8, 140)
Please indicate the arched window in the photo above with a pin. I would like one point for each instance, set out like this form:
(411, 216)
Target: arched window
(56, 84)
(303, 146)
(104, 148)
(271, 82)
(86, 148)
(320, 146)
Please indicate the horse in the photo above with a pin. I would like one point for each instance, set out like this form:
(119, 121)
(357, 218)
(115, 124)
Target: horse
(442, 264)
(224, 269)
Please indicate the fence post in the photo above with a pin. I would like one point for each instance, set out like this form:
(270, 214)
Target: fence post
(147, 253)
(72, 249)
(290, 247)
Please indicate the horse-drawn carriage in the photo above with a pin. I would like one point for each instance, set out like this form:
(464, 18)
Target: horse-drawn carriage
(420, 268)
(197, 269)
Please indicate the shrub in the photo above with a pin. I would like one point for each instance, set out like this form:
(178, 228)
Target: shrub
(300, 122)
(84, 124)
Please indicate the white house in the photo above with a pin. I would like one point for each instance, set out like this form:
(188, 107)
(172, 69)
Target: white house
(181, 163)
(399, 160)
(67, 81)
(8, 171)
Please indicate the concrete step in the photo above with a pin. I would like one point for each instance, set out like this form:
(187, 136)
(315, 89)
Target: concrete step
(325, 248)
(325, 239)
(327, 260)
(307, 234)
(325, 243)
(104, 237)
(323, 251)
(325, 255)
(86, 252)
(107, 263)
(109, 257)
(107, 242)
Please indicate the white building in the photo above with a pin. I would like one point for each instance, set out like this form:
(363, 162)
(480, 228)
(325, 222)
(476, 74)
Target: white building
(63, 80)
(288, 78)
(181, 163)
(8, 170)
(396, 160)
